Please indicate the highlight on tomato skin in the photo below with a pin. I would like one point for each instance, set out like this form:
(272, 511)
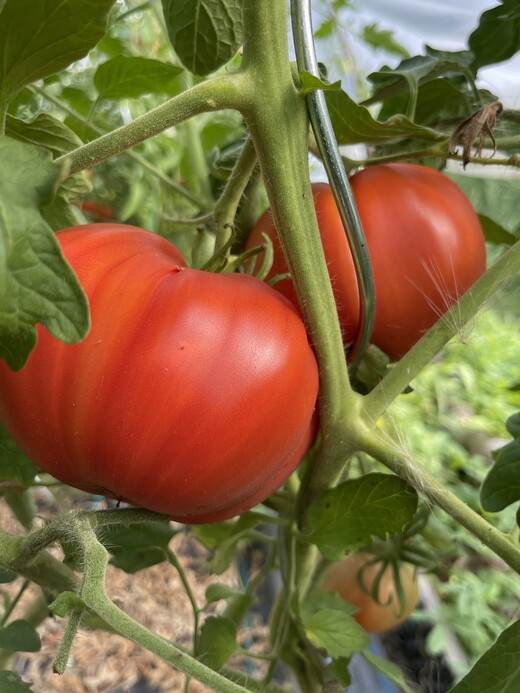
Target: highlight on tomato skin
(349, 576)
(193, 395)
(425, 243)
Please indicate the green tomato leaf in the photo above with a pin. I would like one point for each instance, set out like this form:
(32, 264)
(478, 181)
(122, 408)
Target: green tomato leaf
(16, 469)
(12, 683)
(138, 546)
(216, 592)
(498, 670)
(390, 670)
(212, 535)
(501, 486)
(336, 632)
(129, 77)
(19, 636)
(338, 670)
(52, 134)
(36, 283)
(319, 600)
(217, 641)
(349, 515)
(495, 233)
(41, 38)
(78, 100)
(223, 538)
(495, 198)
(438, 99)
(497, 36)
(44, 131)
(353, 124)
(311, 83)
(7, 576)
(415, 71)
(513, 425)
(205, 34)
(382, 38)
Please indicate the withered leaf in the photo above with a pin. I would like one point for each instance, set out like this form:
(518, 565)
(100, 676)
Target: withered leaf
(478, 125)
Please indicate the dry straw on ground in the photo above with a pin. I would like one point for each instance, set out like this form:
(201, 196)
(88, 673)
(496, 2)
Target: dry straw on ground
(106, 663)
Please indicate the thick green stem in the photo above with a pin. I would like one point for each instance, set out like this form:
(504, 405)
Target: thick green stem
(213, 95)
(144, 163)
(279, 129)
(399, 377)
(94, 596)
(197, 164)
(427, 485)
(43, 569)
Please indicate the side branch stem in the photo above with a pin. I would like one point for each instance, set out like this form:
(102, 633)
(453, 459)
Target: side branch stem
(213, 95)
(437, 493)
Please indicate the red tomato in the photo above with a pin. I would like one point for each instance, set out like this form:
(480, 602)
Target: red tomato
(339, 259)
(425, 243)
(192, 395)
(374, 616)
(97, 211)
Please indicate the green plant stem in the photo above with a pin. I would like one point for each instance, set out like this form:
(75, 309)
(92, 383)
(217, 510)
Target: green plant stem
(215, 94)
(13, 603)
(22, 506)
(439, 150)
(427, 485)
(94, 596)
(227, 205)
(189, 593)
(279, 129)
(43, 569)
(144, 163)
(399, 377)
(65, 646)
(34, 614)
(197, 164)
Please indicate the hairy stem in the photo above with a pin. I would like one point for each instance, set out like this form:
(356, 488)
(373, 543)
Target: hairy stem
(434, 491)
(94, 596)
(215, 94)
(279, 129)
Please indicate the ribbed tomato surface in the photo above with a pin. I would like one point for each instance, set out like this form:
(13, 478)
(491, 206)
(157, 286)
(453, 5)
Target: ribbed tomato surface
(193, 394)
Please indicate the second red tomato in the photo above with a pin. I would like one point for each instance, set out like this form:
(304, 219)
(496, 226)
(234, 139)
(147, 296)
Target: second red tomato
(426, 247)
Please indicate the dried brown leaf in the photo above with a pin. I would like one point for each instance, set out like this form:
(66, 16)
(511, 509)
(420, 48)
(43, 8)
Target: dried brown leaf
(478, 125)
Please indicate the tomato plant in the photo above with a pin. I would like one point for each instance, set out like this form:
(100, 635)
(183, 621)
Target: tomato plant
(425, 243)
(190, 387)
(167, 402)
(365, 582)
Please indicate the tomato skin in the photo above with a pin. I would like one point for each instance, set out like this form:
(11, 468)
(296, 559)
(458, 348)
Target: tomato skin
(192, 395)
(337, 252)
(425, 243)
(374, 617)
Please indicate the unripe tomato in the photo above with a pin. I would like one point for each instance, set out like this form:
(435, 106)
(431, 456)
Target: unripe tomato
(192, 395)
(425, 243)
(374, 616)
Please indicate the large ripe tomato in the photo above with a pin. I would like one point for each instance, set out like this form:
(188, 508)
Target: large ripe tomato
(379, 616)
(192, 395)
(424, 240)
